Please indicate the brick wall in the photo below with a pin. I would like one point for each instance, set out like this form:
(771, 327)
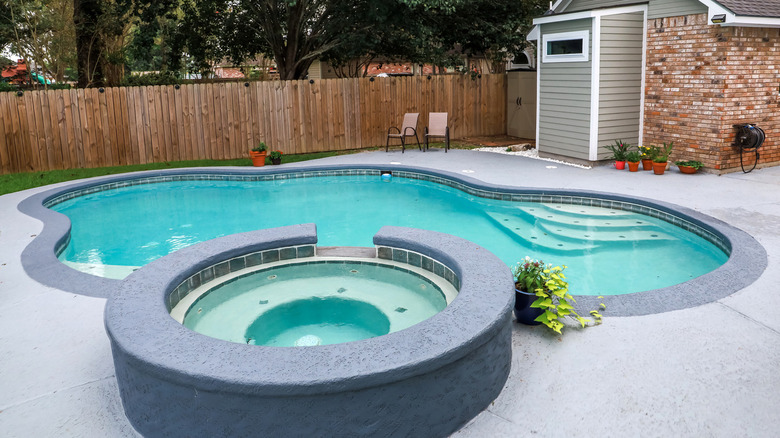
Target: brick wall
(703, 79)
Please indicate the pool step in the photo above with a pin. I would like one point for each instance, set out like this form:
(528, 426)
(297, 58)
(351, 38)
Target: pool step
(565, 238)
(605, 234)
(580, 216)
(528, 235)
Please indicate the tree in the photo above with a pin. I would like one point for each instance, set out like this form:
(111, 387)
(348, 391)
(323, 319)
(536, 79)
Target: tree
(41, 32)
(103, 33)
(296, 32)
(200, 34)
(349, 34)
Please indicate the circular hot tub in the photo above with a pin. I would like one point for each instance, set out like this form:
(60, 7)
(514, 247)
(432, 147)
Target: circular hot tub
(429, 378)
(320, 301)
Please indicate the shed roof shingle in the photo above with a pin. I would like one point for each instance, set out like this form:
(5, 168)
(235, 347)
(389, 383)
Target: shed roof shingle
(753, 8)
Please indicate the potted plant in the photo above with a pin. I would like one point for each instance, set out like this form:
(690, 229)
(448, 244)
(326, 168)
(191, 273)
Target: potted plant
(555, 301)
(528, 278)
(647, 157)
(275, 157)
(633, 158)
(619, 151)
(660, 157)
(689, 167)
(258, 154)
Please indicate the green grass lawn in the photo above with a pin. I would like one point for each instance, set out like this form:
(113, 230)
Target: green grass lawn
(21, 181)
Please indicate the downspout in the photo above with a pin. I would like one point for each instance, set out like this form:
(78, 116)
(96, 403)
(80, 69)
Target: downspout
(595, 79)
(642, 85)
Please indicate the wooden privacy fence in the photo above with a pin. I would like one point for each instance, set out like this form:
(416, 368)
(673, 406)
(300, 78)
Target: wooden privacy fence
(61, 129)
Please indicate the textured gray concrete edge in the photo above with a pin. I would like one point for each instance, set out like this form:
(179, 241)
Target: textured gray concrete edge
(747, 261)
(427, 380)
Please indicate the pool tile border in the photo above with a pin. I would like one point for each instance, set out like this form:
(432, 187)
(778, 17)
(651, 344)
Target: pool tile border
(240, 263)
(418, 260)
(509, 196)
(235, 264)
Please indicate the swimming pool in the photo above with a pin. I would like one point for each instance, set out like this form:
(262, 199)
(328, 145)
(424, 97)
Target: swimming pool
(606, 245)
(746, 257)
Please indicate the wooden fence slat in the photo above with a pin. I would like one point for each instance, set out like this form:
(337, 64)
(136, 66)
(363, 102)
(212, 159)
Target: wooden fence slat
(38, 143)
(52, 133)
(85, 128)
(5, 121)
(165, 115)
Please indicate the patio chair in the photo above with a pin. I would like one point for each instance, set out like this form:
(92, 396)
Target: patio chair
(437, 128)
(408, 129)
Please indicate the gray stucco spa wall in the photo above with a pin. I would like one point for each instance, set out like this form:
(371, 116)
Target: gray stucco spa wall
(427, 380)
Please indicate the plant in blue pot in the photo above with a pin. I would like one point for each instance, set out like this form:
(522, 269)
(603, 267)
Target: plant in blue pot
(542, 296)
(529, 276)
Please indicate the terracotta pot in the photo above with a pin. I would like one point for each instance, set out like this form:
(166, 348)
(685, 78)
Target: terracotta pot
(687, 169)
(659, 168)
(620, 165)
(258, 158)
(633, 167)
(647, 164)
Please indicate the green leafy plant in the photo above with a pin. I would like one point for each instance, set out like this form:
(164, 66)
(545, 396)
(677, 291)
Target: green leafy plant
(157, 78)
(692, 163)
(661, 154)
(528, 274)
(275, 155)
(261, 147)
(5, 86)
(619, 150)
(633, 156)
(556, 301)
(648, 152)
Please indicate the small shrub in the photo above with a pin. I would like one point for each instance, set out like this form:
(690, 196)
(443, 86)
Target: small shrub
(159, 78)
(5, 86)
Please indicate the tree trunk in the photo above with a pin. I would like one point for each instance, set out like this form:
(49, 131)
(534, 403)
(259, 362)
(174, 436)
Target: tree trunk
(86, 14)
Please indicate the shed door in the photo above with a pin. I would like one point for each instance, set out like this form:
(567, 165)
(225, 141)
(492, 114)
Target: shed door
(521, 104)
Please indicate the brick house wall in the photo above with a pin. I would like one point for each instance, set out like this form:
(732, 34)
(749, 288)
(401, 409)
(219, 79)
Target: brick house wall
(702, 79)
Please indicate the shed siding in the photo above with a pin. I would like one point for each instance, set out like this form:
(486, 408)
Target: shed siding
(564, 99)
(620, 79)
(674, 8)
(656, 8)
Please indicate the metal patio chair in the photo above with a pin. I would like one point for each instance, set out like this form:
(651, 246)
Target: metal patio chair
(437, 127)
(408, 129)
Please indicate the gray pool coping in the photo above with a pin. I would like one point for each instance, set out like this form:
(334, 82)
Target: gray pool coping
(748, 259)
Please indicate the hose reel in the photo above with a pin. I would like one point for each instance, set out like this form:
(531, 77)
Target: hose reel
(749, 138)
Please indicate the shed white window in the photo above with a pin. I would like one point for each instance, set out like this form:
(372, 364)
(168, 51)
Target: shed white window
(566, 47)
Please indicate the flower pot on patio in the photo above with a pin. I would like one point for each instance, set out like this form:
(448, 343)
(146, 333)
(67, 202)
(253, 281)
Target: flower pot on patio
(524, 313)
(620, 165)
(633, 167)
(687, 169)
(659, 168)
(258, 158)
(647, 164)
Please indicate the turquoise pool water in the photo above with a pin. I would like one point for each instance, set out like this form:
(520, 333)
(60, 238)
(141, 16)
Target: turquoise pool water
(315, 303)
(607, 251)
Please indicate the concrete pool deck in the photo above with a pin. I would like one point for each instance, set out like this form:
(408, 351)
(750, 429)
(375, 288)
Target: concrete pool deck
(711, 370)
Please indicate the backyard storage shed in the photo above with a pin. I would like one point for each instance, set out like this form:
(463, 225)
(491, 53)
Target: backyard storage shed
(657, 71)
